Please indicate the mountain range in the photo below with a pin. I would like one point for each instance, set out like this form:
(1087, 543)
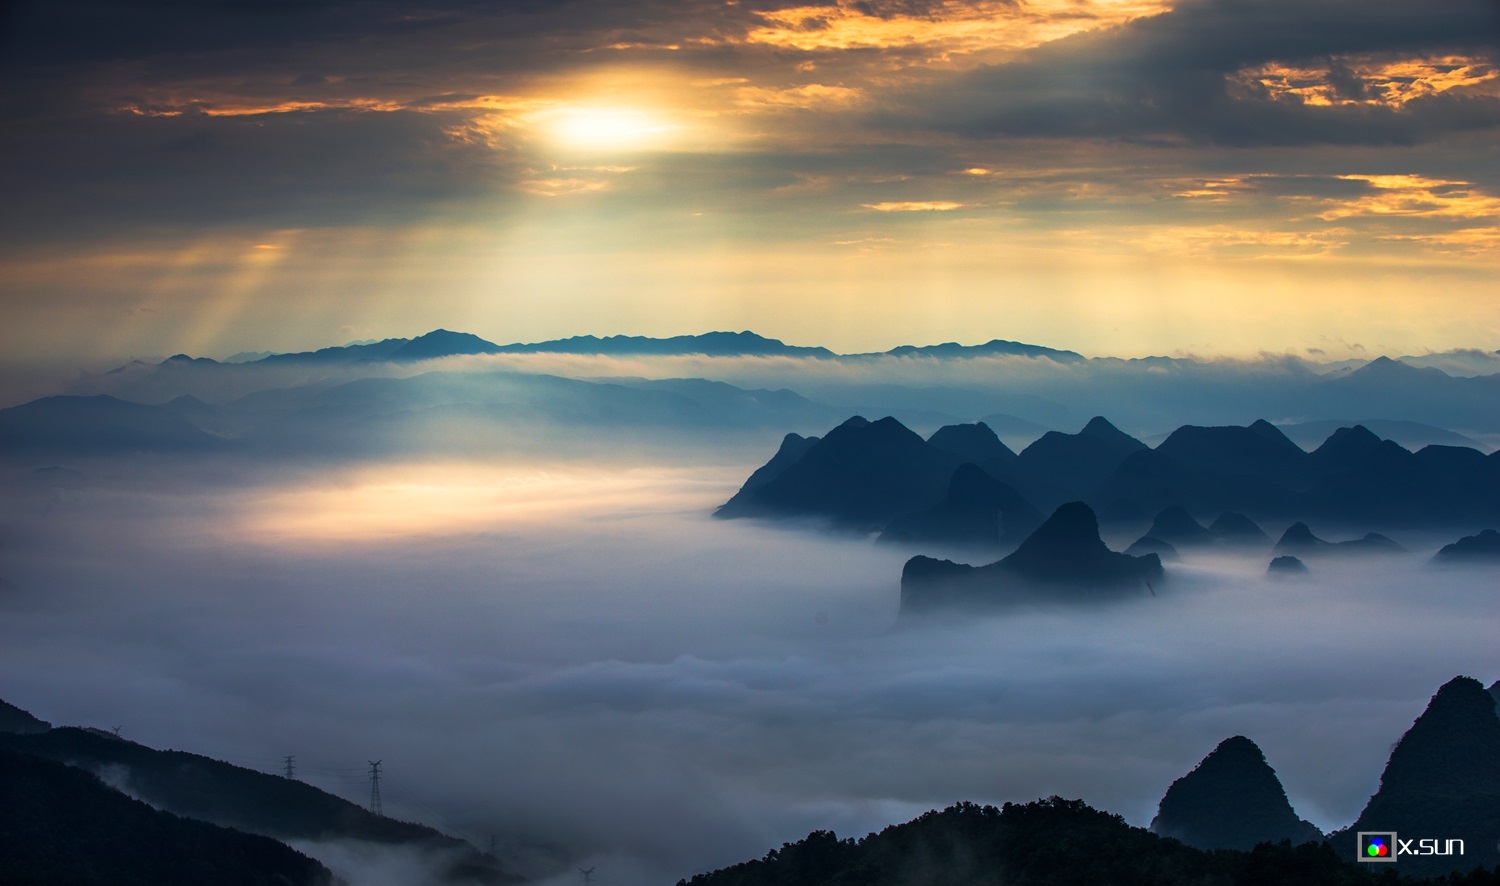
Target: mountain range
(1019, 390)
(879, 475)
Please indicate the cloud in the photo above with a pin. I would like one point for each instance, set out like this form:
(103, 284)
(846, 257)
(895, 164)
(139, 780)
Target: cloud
(1216, 72)
(626, 679)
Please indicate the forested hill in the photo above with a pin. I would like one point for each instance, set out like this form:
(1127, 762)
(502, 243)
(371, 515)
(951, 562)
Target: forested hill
(1052, 842)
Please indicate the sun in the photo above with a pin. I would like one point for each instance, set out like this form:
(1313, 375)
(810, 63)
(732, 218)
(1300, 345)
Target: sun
(610, 129)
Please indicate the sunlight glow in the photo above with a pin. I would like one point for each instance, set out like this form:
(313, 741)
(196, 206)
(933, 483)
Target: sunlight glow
(605, 129)
(435, 499)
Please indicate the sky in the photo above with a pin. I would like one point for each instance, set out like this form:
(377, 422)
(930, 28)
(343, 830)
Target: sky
(1118, 177)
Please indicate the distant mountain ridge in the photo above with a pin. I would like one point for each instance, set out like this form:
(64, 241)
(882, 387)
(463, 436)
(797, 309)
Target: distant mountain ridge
(447, 343)
(1241, 474)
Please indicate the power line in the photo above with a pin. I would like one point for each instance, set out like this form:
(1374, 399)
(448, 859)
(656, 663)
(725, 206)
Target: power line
(375, 787)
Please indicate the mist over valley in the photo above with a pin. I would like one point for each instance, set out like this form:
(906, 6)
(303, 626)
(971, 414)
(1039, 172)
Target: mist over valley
(510, 588)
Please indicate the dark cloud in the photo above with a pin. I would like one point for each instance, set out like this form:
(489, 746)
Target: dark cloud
(1165, 78)
(87, 174)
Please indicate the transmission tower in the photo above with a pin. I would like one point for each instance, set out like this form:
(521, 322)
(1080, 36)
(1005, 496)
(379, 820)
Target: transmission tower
(375, 786)
(588, 874)
(291, 764)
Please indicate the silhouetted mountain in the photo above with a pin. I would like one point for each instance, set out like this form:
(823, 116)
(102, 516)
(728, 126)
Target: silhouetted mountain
(380, 350)
(13, 719)
(1063, 560)
(1260, 450)
(1049, 842)
(1253, 469)
(1062, 467)
(210, 790)
(1481, 548)
(972, 443)
(1286, 564)
(184, 359)
(1423, 394)
(442, 343)
(1411, 435)
(1178, 528)
(1231, 800)
(62, 826)
(710, 344)
(793, 447)
(1149, 544)
(1357, 449)
(1236, 529)
(861, 475)
(994, 348)
(977, 510)
(100, 424)
(1442, 782)
(1299, 540)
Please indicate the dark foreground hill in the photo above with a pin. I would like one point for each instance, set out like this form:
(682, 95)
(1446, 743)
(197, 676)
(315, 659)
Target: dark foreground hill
(1442, 782)
(210, 790)
(1231, 800)
(62, 826)
(1049, 842)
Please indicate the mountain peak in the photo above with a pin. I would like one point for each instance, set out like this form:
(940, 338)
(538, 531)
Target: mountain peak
(1443, 778)
(1231, 800)
(1100, 427)
(443, 343)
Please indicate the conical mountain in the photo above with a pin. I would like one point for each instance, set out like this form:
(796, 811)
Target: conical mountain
(1442, 782)
(442, 343)
(1177, 527)
(973, 443)
(1058, 467)
(1232, 800)
(1299, 539)
(860, 475)
(1236, 529)
(1063, 560)
(1260, 450)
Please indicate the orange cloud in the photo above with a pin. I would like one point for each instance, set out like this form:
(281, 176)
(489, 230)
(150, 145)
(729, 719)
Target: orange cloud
(915, 206)
(950, 28)
(1371, 80)
(811, 96)
(1417, 196)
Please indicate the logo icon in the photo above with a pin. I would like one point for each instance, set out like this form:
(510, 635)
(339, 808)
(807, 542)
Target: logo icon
(1377, 845)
